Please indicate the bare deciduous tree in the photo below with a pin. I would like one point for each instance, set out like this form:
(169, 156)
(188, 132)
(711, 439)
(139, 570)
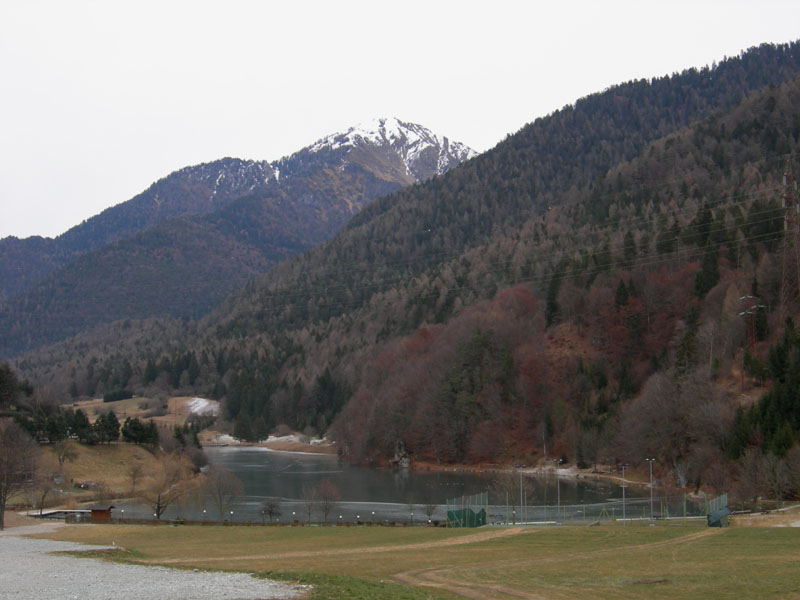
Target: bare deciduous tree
(19, 455)
(42, 486)
(430, 508)
(166, 486)
(41, 489)
(135, 473)
(680, 469)
(271, 508)
(310, 500)
(223, 489)
(411, 506)
(328, 497)
(793, 466)
(65, 452)
(750, 482)
(777, 477)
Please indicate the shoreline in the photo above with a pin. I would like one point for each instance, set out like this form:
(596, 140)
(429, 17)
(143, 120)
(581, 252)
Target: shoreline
(292, 447)
(562, 472)
(286, 443)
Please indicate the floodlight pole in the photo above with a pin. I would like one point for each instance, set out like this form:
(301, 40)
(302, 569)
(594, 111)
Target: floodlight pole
(558, 490)
(650, 460)
(624, 517)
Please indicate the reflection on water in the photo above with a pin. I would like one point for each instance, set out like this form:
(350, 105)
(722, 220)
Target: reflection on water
(285, 475)
(394, 494)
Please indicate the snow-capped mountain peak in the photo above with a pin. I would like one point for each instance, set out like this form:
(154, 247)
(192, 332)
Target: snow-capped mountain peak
(422, 152)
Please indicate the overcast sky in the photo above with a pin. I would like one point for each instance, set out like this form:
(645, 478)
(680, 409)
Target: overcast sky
(100, 99)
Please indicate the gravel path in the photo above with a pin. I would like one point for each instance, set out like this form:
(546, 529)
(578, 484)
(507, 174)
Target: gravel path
(27, 570)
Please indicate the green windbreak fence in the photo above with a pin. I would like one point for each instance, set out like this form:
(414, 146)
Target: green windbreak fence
(468, 511)
(718, 511)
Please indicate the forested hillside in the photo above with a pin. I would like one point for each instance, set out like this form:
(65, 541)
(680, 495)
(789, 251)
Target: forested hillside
(406, 233)
(193, 190)
(201, 233)
(575, 291)
(635, 343)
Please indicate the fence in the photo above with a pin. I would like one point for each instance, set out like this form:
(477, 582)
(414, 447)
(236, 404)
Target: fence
(666, 507)
(468, 511)
(718, 511)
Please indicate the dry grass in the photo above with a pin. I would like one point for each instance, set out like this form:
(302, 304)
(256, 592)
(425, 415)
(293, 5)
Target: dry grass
(13, 519)
(122, 408)
(106, 464)
(177, 409)
(787, 518)
(609, 561)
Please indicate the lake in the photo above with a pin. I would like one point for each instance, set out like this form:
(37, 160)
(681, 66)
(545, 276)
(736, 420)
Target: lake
(394, 494)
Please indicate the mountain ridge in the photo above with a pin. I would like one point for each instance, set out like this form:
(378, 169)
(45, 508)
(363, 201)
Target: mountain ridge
(198, 190)
(257, 212)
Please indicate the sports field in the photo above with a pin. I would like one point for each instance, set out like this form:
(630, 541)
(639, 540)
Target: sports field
(682, 560)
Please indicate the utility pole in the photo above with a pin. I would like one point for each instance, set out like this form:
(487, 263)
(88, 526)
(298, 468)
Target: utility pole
(790, 294)
(558, 488)
(749, 313)
(650, 460)
(624, 516)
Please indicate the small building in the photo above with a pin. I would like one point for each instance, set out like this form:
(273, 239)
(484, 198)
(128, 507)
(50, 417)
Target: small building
(101, 513)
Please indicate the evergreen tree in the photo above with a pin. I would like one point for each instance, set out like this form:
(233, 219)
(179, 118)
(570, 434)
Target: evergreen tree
(81, 426)
(621, 297)
(56, 427)
(708, 276)
(150, 372)
(106, 427)
(552, 310)
(134, 431)
(9, 387)
(260, 429)
(242, 429)
(629, 248)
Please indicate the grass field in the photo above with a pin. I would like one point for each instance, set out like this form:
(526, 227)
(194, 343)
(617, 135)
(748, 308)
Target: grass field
(609, 561)
(175, 409)
(106, 465)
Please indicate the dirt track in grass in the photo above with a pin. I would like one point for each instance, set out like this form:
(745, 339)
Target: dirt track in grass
(447, 578)
(483, 536)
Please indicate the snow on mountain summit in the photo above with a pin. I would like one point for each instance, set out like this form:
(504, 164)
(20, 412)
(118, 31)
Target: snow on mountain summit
(422, 152)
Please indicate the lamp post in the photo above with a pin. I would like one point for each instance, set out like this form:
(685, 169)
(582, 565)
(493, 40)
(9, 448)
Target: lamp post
(558, 490)
(650, 460)
(624, 516)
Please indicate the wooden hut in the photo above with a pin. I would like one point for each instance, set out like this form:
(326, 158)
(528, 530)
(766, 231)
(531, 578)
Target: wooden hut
(101, 513)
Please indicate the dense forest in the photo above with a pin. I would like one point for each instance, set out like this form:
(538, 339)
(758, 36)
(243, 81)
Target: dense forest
(574, 292)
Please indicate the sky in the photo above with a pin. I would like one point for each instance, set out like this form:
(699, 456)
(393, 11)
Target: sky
(100, 99)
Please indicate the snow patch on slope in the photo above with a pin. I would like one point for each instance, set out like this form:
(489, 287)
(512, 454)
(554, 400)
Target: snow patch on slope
(201, 406)
(409, 140)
